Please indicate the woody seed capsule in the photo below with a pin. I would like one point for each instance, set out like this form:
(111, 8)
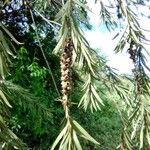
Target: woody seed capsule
(65, 62)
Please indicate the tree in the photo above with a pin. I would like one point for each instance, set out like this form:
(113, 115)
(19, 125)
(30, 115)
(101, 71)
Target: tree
(19, 97)
(76, 54)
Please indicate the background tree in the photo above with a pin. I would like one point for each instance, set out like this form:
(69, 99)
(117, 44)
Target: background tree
(37, 24)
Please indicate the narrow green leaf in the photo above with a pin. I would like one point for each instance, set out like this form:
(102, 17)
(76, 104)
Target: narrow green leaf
(96, 95)
(76, 141)
(82, 132)
(5, 99)
(59, 138)
(10, 35)
(142, 136)
(61, 42)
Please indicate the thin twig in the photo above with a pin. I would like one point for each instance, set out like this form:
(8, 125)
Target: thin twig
(50, 22)
(40, 45)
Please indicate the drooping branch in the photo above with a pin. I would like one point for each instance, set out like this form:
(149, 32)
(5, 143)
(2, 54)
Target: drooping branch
(74, 50)
(137, 126)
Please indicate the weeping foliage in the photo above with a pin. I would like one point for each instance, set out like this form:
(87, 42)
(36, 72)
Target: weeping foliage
(67, 139)
(137, 128)
(86, 59)
(83, 56)
(11, 94)
(6, 51)
(8, 139)
(70, 15)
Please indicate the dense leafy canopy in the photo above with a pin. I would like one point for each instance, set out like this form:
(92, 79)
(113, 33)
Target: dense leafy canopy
(49, 72)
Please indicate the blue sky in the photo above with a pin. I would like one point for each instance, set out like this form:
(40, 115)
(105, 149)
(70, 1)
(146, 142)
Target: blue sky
(100, 38)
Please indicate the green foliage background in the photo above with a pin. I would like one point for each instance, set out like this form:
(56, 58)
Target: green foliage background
(39, 131)
(30, 71)
(30, 102)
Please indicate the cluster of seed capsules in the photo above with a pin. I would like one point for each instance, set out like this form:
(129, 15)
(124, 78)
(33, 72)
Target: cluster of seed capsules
(65, 63)
(134, 56)
(132, 51)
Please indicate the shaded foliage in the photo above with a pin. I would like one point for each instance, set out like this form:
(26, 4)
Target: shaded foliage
(51, 32)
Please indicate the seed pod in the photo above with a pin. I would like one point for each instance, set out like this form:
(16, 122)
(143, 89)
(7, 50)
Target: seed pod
(66, 72)
(65, 78)
(65, 84)
(64, 91)
(64, 55)
(62, 60)
(68, 88)
(65, 66)
(66, 50)
(68, 60)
